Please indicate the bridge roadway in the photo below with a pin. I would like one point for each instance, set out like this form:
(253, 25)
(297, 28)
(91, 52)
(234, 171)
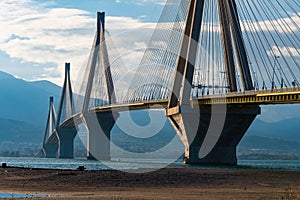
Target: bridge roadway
(264, 97)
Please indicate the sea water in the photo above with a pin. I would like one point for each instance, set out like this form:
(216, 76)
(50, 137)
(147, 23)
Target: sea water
(117, 164)
(293, 165)
(6, 195)
(128, 164)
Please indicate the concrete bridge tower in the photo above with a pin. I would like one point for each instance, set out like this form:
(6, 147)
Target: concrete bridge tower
(50, 147)
(210, 133)
(99, 125)
(66, 133)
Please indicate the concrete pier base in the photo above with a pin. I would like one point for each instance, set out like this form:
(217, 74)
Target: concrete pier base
(214, 136)
(50, 150)
(66, 142)
(99, 126)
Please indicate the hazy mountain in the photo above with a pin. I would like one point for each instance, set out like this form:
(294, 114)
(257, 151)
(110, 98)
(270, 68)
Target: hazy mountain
(23, 113)
(4, 75)
(47, 86)
(276, 138)
(144, 131)
(25, 101)
(16, 131)
(257, 145)
(288, 129)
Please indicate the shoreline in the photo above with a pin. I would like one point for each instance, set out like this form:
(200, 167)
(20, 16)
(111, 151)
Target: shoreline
(67, 164)
(168, 183)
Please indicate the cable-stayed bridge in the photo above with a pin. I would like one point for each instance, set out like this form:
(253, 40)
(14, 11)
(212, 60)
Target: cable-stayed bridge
(209, 63)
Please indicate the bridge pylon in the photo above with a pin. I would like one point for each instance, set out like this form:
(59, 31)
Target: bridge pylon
(192, 122)
(99, 125)
(50, 147)
(67, 133)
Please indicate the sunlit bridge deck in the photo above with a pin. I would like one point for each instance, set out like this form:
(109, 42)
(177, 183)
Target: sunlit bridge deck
(262, 97)
(266, 97)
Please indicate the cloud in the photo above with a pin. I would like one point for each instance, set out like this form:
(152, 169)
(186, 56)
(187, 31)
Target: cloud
(277, 24)
(32, 32)
(37, 34)
(141, 2)
(159, 2)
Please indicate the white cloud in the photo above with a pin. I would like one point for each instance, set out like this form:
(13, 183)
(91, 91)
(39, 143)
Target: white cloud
(140, 2)
(31, 32)
(271, 25)
(126, 24)
(159, 2)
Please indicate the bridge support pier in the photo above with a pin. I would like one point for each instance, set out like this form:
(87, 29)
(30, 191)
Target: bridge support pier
(50, 150)
(66, 142)
(99, 126)
(213, 138)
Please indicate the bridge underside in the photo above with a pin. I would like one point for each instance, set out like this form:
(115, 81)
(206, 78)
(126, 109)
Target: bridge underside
(213, 138)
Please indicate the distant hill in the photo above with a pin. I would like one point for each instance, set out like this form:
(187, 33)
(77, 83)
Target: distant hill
(265, 145)
(48, 87)
(4, 75)
(25, 101)
(14, 131)
(288, 129)
(149, 139)
(276, 138)
(23, 113)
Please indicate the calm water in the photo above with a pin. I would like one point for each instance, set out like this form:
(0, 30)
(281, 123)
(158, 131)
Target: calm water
(6, 195)
(127, 164)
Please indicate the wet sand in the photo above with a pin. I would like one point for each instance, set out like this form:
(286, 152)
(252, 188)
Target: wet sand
(184, 183)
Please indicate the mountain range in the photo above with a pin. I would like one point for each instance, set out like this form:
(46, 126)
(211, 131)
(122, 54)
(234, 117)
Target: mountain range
(25, 101)
(24, 107)
(23, 111)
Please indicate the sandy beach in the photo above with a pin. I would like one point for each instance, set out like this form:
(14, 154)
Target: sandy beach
(184, 183)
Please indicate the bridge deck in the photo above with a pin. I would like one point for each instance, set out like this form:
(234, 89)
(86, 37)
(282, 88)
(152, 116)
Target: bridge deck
(265, 97)
(276, 96)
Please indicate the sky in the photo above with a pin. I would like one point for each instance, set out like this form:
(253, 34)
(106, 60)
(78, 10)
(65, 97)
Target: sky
(38, 36)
